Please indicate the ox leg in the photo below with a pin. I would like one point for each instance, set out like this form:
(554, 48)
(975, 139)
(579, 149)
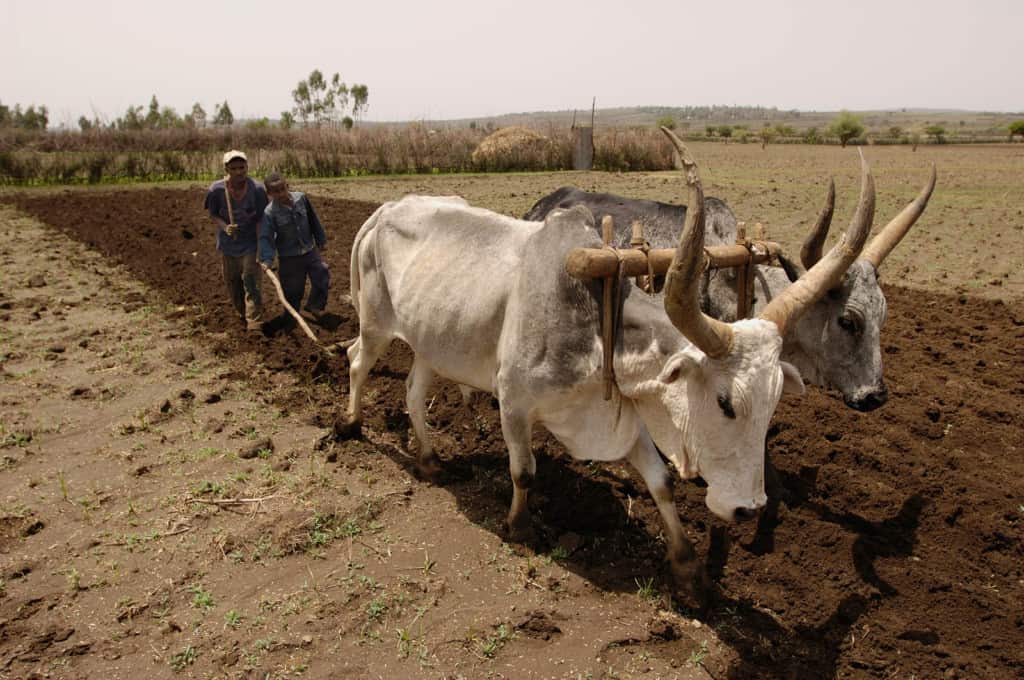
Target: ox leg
(515, 427)
(362, 355)
(687, 571)
(416, 387)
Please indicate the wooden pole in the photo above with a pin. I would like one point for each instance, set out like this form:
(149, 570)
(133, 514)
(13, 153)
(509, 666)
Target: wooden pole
(291, 310)
(227, 198)
(607, 324)
(742, 276)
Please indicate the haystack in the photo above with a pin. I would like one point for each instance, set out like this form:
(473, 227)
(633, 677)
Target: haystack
(508, 144)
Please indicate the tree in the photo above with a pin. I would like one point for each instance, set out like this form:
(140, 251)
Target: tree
(198, 115)
(32, 118)
(666, 122)
(811, 135)
(347, 122)
(937, 133)
(287, 120)
(320, 100)
(709, 130)
(153, 114)
(222, 114)
(131, 120)
(360, 100)
(895, 132)
(1017, 128)
(846, 126)
(725, 131)
(169, 118)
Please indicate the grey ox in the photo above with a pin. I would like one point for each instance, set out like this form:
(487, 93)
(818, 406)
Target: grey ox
(836, 343)
(484, 300)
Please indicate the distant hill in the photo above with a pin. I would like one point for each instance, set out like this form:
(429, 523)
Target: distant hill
(696, 118)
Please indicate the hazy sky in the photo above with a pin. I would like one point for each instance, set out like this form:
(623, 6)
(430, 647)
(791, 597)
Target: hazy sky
(460, 59)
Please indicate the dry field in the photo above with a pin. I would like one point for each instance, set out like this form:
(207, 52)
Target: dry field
(971, 239)
(171, 504)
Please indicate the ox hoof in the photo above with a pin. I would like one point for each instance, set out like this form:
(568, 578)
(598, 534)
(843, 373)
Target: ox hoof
(692, 584)
(429, 468)
(346, 428)
(521, 532)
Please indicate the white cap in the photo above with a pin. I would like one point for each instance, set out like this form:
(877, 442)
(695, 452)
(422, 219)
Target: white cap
(232, 155)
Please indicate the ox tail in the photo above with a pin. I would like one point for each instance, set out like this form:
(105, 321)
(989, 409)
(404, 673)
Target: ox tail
(355, 281)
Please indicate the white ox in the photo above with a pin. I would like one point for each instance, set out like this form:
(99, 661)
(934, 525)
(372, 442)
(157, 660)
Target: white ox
(483, 300)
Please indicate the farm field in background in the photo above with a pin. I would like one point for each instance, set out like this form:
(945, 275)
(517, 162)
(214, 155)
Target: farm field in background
(135, 408)
(970, 239)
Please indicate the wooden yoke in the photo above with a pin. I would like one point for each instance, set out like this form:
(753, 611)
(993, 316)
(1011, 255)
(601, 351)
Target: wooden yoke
(609, 263)
(597, 263)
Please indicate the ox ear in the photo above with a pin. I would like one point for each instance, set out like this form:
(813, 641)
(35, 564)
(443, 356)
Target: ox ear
(793, 271)
(792, 381)
(679, 365)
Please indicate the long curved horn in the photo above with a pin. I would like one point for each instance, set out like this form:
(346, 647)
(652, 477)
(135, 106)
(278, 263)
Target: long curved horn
(682, 282)
(787, 307)
(810, 252)
(883, 243)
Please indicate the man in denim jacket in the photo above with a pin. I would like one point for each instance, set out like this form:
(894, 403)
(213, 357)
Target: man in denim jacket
(292, 231)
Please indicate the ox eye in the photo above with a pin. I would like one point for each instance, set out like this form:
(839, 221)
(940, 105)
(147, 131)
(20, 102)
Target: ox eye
(725, 404)
(849, 324)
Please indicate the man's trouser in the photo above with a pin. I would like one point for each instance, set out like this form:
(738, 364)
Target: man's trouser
(292, 272)
(242, 277)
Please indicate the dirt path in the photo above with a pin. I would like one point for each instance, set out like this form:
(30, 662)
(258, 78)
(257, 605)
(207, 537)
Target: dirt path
(899, 552)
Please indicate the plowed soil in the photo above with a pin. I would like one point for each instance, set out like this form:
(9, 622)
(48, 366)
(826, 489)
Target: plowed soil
(898, 549)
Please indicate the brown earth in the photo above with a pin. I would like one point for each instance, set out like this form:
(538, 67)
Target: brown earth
(899, 551)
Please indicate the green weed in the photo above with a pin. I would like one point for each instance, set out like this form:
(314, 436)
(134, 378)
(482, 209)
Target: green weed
(645, 588)
(185, 657)
(201, 599)
(491, 645)
(697, 657)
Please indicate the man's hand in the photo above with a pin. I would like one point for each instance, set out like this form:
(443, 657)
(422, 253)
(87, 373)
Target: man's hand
(231, 229)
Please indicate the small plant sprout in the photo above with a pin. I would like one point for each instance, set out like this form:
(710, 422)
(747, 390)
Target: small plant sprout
(645, 589)
(404, 642)
(428, 564)
(558, 553)
(201, 599)
(376, 609)
(185, 657)
(697, 657)
(490, 646)
(232, 619)
(74, 579)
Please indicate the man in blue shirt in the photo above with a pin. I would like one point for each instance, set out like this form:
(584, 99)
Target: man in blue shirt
(291, 231)
(236, 205)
